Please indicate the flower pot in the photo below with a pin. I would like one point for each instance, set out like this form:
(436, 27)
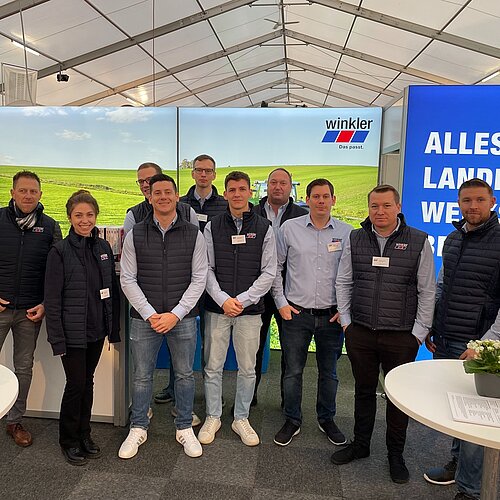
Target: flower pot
(487, 384)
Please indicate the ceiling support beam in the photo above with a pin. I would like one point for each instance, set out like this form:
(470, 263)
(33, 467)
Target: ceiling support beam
(341, 78)
(12, 8)
(218, 83)
(312, 102)
(273, 99)
(177, 69)
(143, 37)
(356, 54)
(247, 93)
(321, 90)
(417, 29)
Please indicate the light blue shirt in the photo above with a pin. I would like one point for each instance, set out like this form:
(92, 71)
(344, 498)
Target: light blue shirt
(312, 259)
(260, 286)
(426, 287)
(200, 199)
(273, 217)
(133, 292)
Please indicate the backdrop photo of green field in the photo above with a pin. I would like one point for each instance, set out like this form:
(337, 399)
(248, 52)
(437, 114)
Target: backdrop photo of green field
(116, 190)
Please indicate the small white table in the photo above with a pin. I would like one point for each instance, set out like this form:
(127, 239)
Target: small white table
(419, 389)
(9, 388)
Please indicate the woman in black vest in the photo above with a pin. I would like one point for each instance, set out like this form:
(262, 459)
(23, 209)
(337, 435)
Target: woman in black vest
(82, 304)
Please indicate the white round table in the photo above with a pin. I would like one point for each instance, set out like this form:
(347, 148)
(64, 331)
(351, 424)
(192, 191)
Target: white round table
(9, 388)
(419, 389)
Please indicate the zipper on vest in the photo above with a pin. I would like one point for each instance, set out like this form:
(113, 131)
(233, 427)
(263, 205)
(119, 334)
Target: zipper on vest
(18, 273)
(235, 269)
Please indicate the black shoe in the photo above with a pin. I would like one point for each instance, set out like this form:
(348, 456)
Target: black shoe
(332, 432)
(442, 475)
(254, 400)
(164, 396)
(89, 448)
(349, 453)
(397, 468)
(463, 496)
(286, 433)
(74, 456)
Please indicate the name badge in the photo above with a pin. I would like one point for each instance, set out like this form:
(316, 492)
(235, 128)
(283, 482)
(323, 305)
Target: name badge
(238, 239)
(202, 217)
(380, 261)
(334, 246)
(104, 293)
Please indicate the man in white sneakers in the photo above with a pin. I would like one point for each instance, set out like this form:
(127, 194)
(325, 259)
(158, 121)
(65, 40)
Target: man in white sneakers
(163, 274)
(242, 267)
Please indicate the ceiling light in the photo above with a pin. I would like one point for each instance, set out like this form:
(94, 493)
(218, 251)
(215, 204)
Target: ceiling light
(24, 47)
(489, 77)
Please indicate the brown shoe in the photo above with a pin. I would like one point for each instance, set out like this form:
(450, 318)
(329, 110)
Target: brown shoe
(21, 436)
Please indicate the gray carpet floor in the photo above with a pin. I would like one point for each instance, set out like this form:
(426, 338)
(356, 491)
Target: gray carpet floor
(227, 469)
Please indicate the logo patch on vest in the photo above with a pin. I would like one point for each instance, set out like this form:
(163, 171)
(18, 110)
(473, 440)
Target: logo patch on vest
(104, 256)
(37, 229)
(251, 236)
(401, 246)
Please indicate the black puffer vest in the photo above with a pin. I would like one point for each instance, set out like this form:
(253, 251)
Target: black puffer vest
(164, 263)
(385, 298)
(215, 205)
(143, 209)
(23, 257)
(470, 297)
(237, 266)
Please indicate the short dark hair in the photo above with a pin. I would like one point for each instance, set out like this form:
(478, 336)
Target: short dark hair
(25, 173)
(283, 170)
(81, 196)
(204, 157)
(149, 164)
(161, 178)
(385, 188)
(236, 175)
(319, 182)
(475, 183)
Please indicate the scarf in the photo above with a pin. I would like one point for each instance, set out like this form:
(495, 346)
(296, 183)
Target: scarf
(25, 221)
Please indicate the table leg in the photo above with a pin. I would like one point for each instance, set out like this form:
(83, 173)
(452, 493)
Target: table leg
(489, 481)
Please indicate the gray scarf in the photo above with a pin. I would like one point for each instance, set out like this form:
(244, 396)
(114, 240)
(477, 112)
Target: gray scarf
(25, 221)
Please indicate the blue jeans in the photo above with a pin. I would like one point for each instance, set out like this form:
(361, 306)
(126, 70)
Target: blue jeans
(246, 336)
(297, 335)
(469, 456)
(145, 344)
(24, 335)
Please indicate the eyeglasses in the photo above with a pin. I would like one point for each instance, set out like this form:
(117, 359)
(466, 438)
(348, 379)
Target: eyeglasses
(141, 182)
(207, 171)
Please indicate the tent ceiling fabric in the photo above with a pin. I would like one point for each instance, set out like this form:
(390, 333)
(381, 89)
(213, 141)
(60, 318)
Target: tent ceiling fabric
(318, 53)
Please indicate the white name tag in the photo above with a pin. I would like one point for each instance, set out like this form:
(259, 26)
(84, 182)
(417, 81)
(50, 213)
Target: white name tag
(104, 293)
(202, 217)
(380, 261)
(334, 246)
(238, 239)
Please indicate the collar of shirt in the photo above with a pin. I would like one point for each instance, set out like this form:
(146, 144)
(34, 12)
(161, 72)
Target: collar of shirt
(199, 198)
(389, 235)
(274, 217)
(308, 221)
(158, 225)
(238, 222)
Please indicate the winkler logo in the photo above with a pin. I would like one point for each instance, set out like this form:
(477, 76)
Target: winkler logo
(347, 130)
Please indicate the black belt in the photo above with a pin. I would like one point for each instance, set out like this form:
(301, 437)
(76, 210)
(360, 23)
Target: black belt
(329, 311)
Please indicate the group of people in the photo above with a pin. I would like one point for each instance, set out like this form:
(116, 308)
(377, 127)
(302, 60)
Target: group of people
(236, 266)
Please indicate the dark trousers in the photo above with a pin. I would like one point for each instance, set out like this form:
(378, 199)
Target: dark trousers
(76, 405)
(297, 335)
(266, 322)
(367, 351)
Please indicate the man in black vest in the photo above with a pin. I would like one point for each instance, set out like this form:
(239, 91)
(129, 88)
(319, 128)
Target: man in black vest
(242, 267)
(278, 207)
(385, 292)
(27, 235)
(163, 274)
(467, 308)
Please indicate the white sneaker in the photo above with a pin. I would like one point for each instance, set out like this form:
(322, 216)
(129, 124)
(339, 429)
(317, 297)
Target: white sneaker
(244, 430)
(186, 437)
(130, 446)
(150, 413)
(208, 430)
(196, 419)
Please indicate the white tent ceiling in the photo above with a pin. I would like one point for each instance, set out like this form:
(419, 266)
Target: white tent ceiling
(242, 52)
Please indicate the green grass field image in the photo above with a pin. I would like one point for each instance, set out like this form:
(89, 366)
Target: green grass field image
(116, 190)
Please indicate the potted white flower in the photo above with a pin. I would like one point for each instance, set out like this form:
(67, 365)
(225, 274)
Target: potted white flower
(485, 366)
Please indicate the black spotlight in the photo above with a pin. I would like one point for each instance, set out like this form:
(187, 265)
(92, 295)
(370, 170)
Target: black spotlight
(264, 104)
(62, 77)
